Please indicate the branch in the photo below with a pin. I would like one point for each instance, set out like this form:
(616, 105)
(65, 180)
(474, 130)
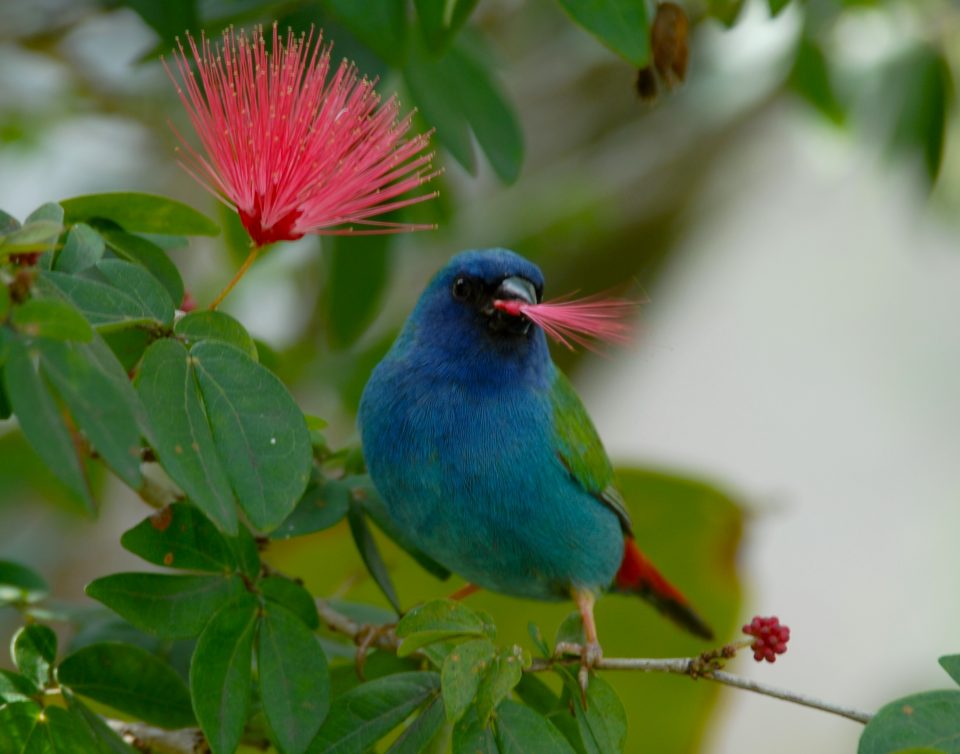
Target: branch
(695, 667)
(692, 667)
(151, 740)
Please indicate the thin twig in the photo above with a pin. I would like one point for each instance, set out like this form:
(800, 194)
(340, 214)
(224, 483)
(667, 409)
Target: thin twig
(688, 666)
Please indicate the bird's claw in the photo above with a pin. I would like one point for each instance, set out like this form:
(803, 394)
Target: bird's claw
(590, 653)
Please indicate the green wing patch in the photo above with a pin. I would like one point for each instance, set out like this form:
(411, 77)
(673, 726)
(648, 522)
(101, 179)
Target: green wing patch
(580, 450)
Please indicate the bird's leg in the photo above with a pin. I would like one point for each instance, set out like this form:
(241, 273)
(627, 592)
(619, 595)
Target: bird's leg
(463, 592)
(590, 652)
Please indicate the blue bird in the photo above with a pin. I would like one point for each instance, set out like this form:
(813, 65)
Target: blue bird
(485, 457)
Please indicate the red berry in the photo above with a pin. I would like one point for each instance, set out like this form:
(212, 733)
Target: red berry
(770, 638)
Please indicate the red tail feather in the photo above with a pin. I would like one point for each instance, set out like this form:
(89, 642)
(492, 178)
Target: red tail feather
(637, 575)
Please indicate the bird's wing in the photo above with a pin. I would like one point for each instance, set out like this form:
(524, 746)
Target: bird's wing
(580, 450)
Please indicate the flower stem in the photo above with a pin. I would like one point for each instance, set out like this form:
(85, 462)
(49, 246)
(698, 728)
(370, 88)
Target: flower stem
(251, 258)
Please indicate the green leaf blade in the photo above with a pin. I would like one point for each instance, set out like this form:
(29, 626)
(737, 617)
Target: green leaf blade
(621, 25)
(183, 439)
(294, 679)
(221, 674)
(929, 719)
(100, 409)
(180, 536)
(259, 432)
(364, 715)
(139, 213)
(174, 607)
(34, 650)
(20, 584)
(42, 424)
(131, 680)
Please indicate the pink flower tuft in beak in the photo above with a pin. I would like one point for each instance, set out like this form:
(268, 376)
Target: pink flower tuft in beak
(577, 321)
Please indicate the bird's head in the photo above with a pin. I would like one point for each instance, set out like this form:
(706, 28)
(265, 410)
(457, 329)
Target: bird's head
(465, 311)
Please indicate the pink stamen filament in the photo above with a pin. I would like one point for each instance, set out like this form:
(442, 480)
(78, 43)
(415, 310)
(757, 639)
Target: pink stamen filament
(576, 321)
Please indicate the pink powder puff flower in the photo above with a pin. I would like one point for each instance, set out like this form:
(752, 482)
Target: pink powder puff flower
(568, 320)
(292, 148)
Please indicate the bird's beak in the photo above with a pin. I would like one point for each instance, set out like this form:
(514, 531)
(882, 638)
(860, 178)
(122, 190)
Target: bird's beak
(516, 289)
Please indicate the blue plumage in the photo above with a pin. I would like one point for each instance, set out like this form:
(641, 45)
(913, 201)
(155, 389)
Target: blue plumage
(459, 428)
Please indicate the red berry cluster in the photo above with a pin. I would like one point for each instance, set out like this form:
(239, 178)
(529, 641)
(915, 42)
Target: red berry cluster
(770, 638)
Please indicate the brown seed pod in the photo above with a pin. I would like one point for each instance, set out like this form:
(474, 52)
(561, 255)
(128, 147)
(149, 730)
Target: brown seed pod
(668, 42)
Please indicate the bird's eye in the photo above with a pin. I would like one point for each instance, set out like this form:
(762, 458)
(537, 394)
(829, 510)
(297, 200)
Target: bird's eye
(462, 288)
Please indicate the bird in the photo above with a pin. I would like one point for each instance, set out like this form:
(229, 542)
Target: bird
(486, 459)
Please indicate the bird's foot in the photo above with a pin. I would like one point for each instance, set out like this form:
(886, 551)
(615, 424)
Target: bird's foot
(590, 654)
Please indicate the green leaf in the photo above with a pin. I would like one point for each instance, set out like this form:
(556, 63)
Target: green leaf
(140, 213)
(438, 620)
(325, 503)
(473, 736)
(4, 303)
(463, 670)
(25, 728)
(925, 87)
(34, 651)
(603, 724)
(8, 224)
(200, 326)
(150, 256)
(520, 730)
(930, 719)
(621, 25)
(18, 728)
(294, 679)
(381, 26)
(726, 11)
(20, 584)
(83, 248)
(417, 736)
(183, 439)
(221, 674)
(39, 236)
(125, 295)
(140, 284)
(810, 77)
(15, 687)
(131, 680)
(180, 536)
(951, 663)
(50, 318)
(365, 714)
(440, 20)
(359, 270)
(293, 597)
(777, 5)
(370, 554)
(259, 432)
(536, 636)
(457, 90)
(100, 409)
(502, 675)
(107, 741)
(570, 631)
(42, 424)
(174, 607)
(536, 694)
